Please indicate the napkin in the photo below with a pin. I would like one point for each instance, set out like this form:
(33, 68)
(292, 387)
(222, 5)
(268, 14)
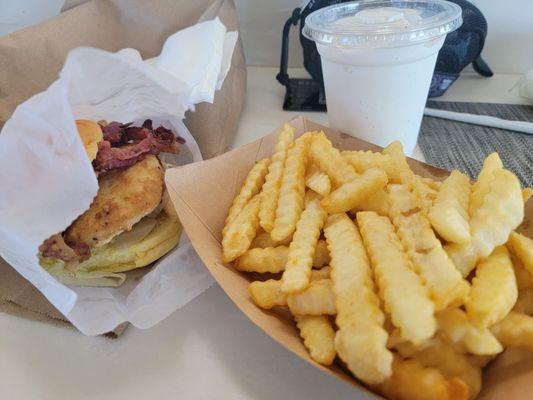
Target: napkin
(46, 180)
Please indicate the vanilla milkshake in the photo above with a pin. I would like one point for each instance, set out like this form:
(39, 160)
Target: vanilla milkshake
(377, 61)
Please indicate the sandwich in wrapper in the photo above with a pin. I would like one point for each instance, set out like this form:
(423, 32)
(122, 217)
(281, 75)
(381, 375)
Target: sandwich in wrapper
(130, 222)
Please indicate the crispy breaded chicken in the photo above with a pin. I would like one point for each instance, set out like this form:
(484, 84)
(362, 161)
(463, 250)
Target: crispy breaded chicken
(124, 197)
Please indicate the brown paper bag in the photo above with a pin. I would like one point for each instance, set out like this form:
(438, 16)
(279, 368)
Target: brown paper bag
(202, 193)
(30, 60)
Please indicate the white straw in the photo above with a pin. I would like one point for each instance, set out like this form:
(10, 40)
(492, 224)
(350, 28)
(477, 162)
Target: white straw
(518, 126)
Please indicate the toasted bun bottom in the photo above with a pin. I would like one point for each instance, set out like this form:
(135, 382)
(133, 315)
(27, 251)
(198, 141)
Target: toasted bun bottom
(148, 240)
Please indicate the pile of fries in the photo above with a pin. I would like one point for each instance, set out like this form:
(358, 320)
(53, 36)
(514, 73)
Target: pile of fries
(412, 284)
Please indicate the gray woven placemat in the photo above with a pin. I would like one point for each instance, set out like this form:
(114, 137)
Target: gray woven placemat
(450, 144)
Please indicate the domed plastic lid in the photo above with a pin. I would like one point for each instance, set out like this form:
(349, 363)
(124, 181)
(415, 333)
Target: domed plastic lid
(382, 23)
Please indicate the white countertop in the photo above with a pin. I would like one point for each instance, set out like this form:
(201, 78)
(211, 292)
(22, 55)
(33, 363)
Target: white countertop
(206, 350)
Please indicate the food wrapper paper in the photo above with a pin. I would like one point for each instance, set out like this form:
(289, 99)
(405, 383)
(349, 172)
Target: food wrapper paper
(202, 194)
(46, 179)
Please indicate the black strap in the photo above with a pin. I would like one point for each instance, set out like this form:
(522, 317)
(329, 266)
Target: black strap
(282, 76)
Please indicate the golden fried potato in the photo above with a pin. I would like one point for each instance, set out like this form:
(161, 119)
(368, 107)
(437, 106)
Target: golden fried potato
(361, 339)
(322, 273)
(292, 191)
(316, 299)
(274, 259)
(524, 303)
(351, 194)
(445, 283)
(515, 330)
(522, 248)
(329, 160)
(449, 213)
(267, 294)
(377, 201)
(318, 181)
(494, 290)
(251, 186)
(400, 287)
(269, 259)
(500, 210)
(321, 257)
(272, 185)
(240, 232)
(455, 325)
(318, 335)
(263, 240)
(410, 380)
(484, 181)
(441, 355)
(302, 248)
(124, 197)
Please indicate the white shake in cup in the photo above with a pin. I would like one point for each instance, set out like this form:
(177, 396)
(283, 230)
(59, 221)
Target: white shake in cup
(378, 57)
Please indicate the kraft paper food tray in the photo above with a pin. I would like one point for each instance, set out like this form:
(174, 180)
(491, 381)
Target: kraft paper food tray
(30, 60)
(202, 194)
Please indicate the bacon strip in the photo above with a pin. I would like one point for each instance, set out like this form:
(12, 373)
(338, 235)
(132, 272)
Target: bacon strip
(124, 145)
(56, 247)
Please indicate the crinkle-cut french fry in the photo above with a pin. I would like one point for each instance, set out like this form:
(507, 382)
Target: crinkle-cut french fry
(351, 194)
(329, 160)
(311, 195)
(481, 361)
(445, 283)
(241, 231)
(292, 190)
(524, 279)
(263, 240)
(318, 181)
(524, 303)
(526, 194)
(317, 299)
(494, 292)
(484, 181)
(274, 259)
(269, 259)
(522, 248)
(267, 294)
(321, 257)
(515, 330)
(431, 183)
(361, 339)
(455, 325)
(449, 213)
(424, 194)
(399, 160)
(377, 201)
(322, 273)
(272, 185)
(400, 287)
(251, 186)
(318, 336)
(302, 248)
(362, 160)
(443, 356)
(410, 380)
(499, 213)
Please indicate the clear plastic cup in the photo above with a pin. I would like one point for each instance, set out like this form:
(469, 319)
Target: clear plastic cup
(378, 58)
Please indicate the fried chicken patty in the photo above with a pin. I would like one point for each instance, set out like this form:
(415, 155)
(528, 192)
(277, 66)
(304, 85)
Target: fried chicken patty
(124, 197)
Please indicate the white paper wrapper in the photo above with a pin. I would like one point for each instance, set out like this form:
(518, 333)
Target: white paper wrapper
(46, 180)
